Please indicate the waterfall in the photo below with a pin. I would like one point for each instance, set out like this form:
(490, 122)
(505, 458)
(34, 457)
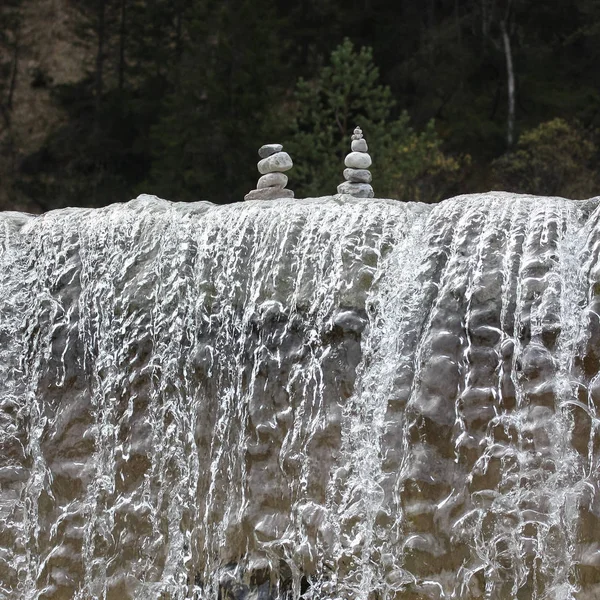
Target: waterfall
(329, 398)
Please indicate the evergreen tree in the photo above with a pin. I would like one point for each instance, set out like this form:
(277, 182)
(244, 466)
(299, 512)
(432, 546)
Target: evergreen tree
(345, 93)
(406, 165)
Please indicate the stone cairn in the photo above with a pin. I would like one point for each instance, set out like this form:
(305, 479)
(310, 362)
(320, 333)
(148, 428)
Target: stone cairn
(356, 175)
(272, 167)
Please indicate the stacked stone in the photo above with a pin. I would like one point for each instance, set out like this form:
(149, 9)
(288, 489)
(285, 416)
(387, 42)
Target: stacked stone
(356, 175)
(272, 167)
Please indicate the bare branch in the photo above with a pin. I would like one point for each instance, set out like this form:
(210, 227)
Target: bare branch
(510, 75)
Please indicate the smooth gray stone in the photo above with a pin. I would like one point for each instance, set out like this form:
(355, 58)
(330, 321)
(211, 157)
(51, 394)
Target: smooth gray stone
(276, 163)
(272, 180)
(358, 175)
(358, 160)
(269, 149)
(360, 145)
(358, 190)
(270, 193)
(358, 134)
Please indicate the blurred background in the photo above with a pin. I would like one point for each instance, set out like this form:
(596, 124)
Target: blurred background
(101, 100)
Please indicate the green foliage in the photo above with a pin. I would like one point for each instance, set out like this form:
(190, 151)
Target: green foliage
(407, 165)
(345, 93)
(415, 168)
(553, 159)
(179, 94)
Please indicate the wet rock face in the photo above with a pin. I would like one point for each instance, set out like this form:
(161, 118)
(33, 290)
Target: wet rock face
(316, 399)
(173, 383)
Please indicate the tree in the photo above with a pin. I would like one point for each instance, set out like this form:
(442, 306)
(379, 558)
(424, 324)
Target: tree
(180, 93)
(505, 24)
(407, 165)
(416, 167)
(345, 93)
(10, 58)
(553, 159)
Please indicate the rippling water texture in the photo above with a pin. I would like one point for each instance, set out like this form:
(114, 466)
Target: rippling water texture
(333, 399)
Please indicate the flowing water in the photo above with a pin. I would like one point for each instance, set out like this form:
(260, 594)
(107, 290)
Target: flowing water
(319, 399)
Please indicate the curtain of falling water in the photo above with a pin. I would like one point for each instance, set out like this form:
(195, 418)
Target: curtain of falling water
(324, 398)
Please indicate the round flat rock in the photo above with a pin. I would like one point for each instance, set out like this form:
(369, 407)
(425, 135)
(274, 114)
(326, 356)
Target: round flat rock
(358, 175)
(269, 149)
(358, 190)
(276, 163)
(359, 145)
(270, 193)
(358, 160)
(272, 180)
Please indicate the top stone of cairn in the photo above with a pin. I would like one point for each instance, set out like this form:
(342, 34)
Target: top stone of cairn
(269, 149)
(357, 134)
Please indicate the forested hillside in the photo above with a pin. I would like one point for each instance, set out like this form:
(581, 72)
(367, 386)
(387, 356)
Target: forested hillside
(104, 99)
